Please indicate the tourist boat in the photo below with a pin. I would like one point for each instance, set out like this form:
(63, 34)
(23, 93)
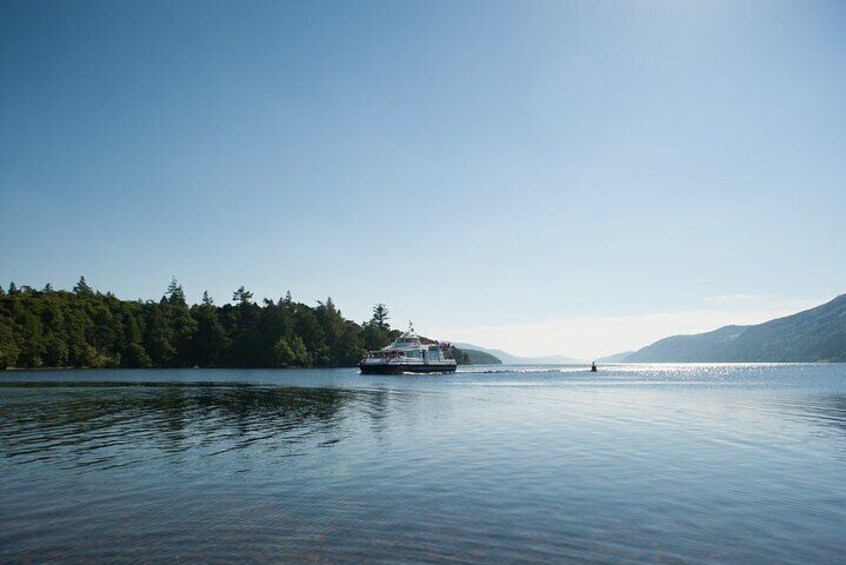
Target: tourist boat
(408, 354)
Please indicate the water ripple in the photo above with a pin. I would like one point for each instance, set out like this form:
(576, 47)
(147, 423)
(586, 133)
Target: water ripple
(691, 463)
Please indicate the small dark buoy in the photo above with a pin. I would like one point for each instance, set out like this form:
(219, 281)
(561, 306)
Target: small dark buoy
(593, 368)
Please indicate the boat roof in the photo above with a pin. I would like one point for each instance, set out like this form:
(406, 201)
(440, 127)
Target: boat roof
(408, 340)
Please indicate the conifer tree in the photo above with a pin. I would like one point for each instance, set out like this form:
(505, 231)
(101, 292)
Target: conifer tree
(242, 296)
(381, 317)
(82, 287)
(175, 294)
(88, 329)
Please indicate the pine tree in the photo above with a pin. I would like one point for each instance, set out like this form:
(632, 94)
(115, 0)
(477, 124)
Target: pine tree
(381, 317)
(82, 288)
(175, 294)
(242, 296)
(210, 342)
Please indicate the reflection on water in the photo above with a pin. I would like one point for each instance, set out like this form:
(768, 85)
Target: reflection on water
(113, 423)
(825, 410)
(660, 463)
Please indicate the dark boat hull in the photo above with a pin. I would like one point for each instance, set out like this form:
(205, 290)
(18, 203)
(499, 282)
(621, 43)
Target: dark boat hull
(368, 369)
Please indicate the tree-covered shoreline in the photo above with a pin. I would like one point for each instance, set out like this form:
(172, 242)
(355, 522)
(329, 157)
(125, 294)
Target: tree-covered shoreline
(84, 328)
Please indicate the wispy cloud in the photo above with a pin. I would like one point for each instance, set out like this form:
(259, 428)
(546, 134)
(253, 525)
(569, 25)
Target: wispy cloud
(742, 300)
(588, 337)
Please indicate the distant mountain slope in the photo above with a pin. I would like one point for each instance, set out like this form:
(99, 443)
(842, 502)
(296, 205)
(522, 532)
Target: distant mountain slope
(509, 359)
(818, 334)
(616, 358)
(475, 357)
(469, 355)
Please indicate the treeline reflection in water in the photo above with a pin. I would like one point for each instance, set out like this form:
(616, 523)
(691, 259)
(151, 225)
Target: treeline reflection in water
(741, 464)
(109, 423)
(115, 423)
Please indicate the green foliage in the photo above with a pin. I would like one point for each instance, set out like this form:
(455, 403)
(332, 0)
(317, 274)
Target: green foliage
(377, 333)
(9, 340)
(242, 296)
(82, 288)
(460, 357)
(84, 328)
(210, 340)
(175, 294)
(475, 357)
(287, 354)
(381, 317)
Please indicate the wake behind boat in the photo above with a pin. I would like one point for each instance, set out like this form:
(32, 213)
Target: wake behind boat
(408, 354)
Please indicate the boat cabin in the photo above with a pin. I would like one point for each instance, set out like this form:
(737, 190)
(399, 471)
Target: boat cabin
(409, 353)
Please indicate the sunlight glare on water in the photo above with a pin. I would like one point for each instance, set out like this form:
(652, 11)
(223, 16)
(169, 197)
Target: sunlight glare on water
(655, 463)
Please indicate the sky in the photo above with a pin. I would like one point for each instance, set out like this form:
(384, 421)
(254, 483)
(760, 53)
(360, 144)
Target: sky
(573, 178)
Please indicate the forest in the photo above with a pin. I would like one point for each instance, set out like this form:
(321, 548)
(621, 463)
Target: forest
(86, 328)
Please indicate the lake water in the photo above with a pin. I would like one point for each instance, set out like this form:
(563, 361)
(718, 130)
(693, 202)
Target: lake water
(649, 463)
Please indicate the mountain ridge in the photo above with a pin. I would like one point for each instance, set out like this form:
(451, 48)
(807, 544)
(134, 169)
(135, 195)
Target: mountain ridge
(814, 335)
(509, 359)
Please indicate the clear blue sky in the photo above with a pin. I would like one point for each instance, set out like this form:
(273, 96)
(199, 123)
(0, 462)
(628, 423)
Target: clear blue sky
(487, 169)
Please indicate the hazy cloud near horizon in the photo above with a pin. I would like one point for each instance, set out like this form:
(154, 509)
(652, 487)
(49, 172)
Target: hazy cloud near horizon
(585, 337)
(544, 177)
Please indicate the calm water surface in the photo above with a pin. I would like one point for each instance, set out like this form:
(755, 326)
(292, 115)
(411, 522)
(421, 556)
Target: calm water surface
(662, 463)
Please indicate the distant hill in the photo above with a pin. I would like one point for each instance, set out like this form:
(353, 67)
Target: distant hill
(818, 334)
(509, 359)
(616, 358)
(467, 355)
(475, 357)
